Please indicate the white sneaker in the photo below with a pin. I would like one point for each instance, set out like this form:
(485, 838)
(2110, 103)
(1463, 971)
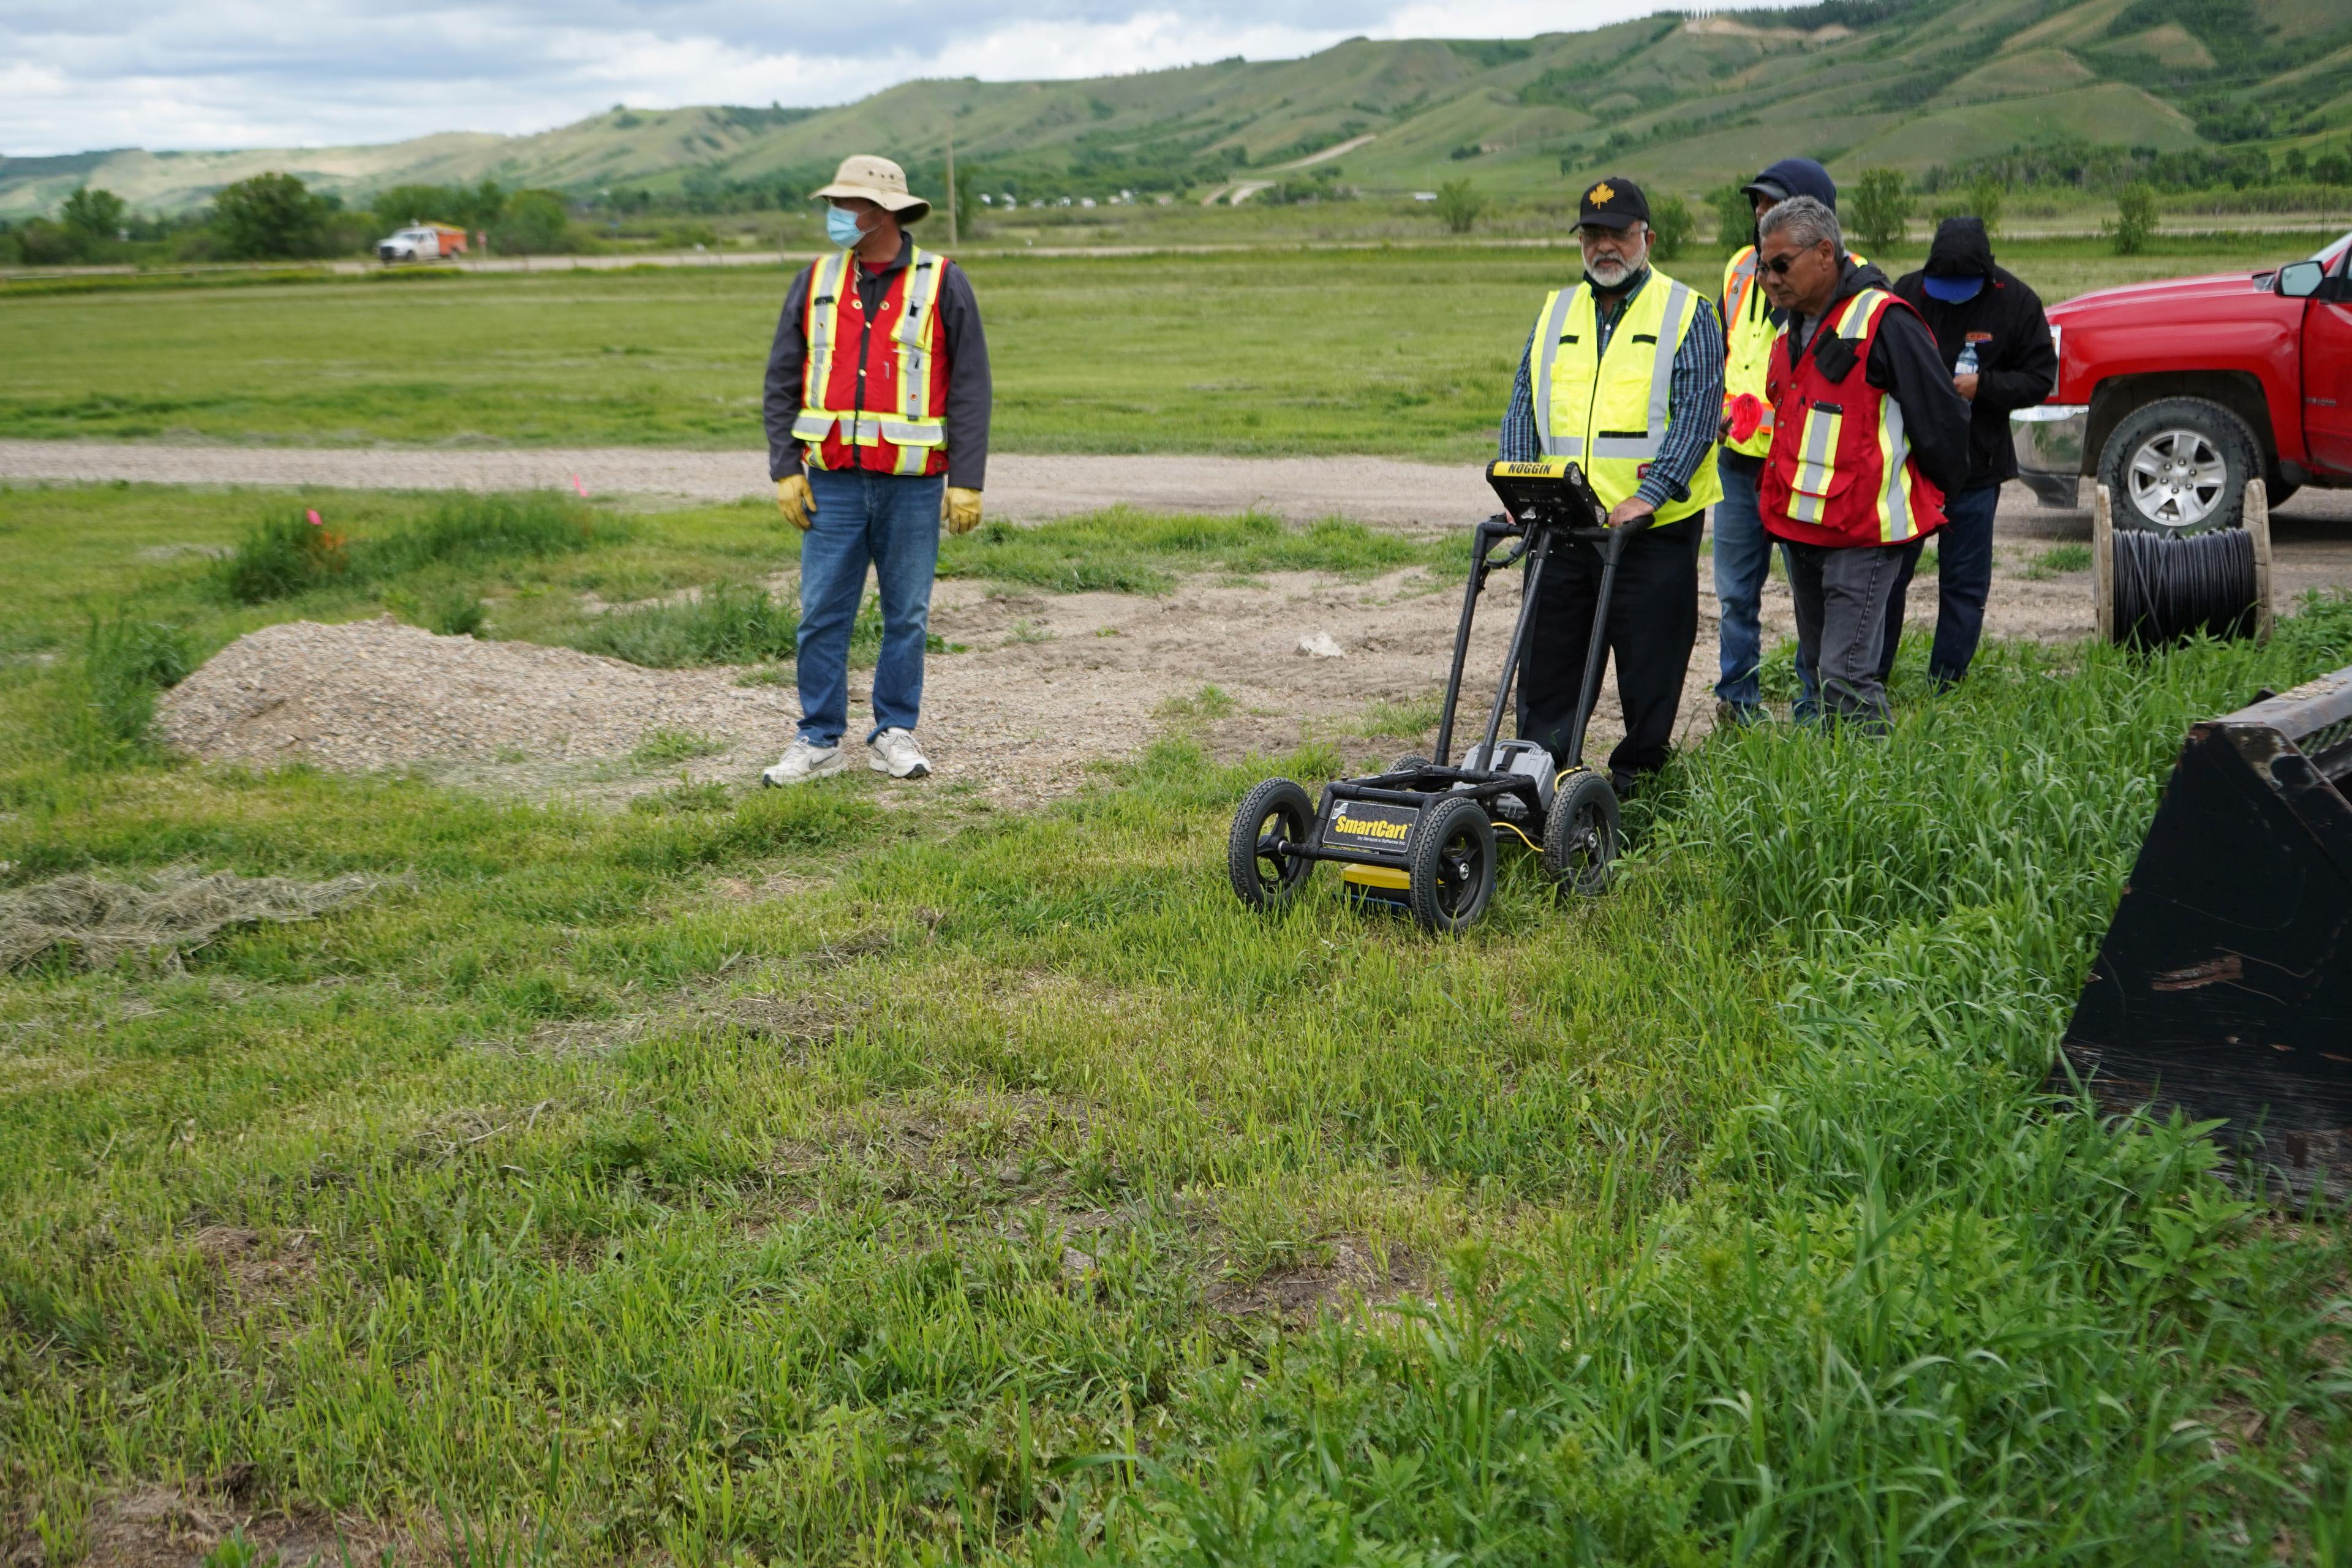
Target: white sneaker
(894, 752)
(803, 761)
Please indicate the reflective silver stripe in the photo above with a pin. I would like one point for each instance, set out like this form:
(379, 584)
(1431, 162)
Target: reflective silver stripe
(1679, 301)
(913, 432)
(1547, 350)
(825, 283)
(913, 332)
(1894, 452)
(1807, 499)
(1633, 448)
(813, 424)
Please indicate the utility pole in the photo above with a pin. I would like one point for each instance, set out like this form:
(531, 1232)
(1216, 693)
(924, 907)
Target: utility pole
(951, 201)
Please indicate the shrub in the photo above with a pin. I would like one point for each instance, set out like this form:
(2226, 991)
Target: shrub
(473, 529)
(126, 662)
(1735, 216)
(729, 624)
(1672, 226)
(281, 556)
(287, 555)
(535, 223)
(2135, 218)
(1459, 205)
(1880, 209)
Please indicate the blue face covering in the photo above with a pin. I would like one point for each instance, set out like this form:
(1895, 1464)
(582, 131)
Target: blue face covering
(841, 226)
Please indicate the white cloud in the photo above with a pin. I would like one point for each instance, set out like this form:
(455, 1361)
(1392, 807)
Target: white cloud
(233, 73)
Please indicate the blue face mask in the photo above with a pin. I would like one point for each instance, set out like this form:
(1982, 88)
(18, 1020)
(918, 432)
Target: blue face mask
(841, 226)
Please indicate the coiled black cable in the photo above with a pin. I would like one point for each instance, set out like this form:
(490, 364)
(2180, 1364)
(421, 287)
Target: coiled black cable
(2167, 590)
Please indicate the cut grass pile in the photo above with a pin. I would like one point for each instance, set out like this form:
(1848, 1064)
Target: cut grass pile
(93, 922)
(1410, 350)
(794, 1180)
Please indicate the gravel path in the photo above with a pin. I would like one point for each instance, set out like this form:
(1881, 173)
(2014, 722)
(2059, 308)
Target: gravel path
(1023, 488)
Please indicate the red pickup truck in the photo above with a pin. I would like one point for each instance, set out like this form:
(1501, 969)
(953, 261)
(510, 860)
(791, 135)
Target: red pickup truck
(2174, 394)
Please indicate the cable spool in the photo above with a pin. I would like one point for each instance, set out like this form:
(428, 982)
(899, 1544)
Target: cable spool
(2154, 589)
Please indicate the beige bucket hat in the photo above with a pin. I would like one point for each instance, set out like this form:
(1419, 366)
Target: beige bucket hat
(879, 181)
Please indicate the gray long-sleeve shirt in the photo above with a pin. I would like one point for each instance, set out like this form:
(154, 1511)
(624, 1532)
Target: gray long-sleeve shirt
(968, 390)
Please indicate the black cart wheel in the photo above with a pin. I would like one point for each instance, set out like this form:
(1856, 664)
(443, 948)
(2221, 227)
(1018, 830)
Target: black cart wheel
(1580, 834)
(1410, 763)
(1451, 874)
(1275, 811)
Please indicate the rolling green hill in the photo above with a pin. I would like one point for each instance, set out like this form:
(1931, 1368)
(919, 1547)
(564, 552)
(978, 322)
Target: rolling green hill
(1694, 100)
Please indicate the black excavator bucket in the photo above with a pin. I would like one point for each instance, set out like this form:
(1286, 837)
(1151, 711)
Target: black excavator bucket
(2224, 986)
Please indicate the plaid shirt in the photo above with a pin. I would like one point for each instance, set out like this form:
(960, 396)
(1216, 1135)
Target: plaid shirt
(1695, 389)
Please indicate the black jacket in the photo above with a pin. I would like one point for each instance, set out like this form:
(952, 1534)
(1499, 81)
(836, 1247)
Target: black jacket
(1903, 362)
(969, 392)
(2016, 366)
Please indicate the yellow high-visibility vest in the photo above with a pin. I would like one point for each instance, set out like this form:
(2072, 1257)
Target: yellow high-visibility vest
(1608, 412)
(1748, 332)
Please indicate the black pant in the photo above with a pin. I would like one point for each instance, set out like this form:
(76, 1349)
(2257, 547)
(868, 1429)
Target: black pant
(1652, 622)
(1963, 583)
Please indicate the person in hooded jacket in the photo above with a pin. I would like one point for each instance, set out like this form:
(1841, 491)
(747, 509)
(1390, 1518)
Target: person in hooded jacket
(1743, 552)
(1989, 329)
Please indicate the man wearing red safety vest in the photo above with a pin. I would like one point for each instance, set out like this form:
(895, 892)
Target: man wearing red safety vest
(879, 388)
(1867, 435)
(1743, 551)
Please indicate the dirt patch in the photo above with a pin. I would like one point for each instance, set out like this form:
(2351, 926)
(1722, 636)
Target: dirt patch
(162, 1526)
(96, 921)
(257, 1267)
(1353, 1272)
(1045, 686)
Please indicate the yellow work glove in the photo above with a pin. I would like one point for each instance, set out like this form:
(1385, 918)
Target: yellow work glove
(792, 498)
(961, 509)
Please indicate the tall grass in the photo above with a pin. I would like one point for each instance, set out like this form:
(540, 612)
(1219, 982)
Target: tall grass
(1910, 1306)
(1121, 551)
(731, 623)
(286, 554)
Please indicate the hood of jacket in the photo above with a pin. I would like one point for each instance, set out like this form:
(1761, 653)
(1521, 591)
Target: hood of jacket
(1800, 177)
(1962, 249)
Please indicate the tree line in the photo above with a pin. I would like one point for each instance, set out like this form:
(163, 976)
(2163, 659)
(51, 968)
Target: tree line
(278, 217)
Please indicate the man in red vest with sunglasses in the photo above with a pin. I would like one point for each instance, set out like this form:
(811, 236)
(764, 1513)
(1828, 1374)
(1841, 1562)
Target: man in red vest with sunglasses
(1867, 437)
(877, 406)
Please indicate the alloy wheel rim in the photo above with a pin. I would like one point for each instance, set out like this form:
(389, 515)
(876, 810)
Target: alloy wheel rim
(2177, 479)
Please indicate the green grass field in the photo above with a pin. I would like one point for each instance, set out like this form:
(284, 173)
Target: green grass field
(800, 1178)
(1403, 353)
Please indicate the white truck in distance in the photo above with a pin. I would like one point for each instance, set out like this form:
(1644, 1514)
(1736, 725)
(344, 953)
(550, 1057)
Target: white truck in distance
(423, 242)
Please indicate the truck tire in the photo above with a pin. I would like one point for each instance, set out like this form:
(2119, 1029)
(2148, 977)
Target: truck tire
(2179, 466)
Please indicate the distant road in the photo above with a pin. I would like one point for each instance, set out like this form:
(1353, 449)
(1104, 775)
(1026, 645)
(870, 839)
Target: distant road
(1024, 489)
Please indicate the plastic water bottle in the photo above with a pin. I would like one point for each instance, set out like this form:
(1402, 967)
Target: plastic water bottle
(1967, 363)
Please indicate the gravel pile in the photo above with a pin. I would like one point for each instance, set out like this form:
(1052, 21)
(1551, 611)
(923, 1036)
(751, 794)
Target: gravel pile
(372, 694)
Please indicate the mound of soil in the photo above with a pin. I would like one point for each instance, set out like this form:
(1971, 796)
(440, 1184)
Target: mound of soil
(376, 694)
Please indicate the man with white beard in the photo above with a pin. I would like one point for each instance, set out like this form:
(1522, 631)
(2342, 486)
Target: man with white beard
(1623, 374)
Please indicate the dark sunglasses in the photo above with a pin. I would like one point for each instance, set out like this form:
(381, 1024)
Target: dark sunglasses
(1781, 264)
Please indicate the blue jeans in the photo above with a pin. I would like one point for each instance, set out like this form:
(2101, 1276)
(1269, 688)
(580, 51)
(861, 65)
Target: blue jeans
(1963, 583)
(891, 522)
(1743, 558)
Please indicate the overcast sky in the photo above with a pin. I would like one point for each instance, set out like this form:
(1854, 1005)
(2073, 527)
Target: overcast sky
(76, 76)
